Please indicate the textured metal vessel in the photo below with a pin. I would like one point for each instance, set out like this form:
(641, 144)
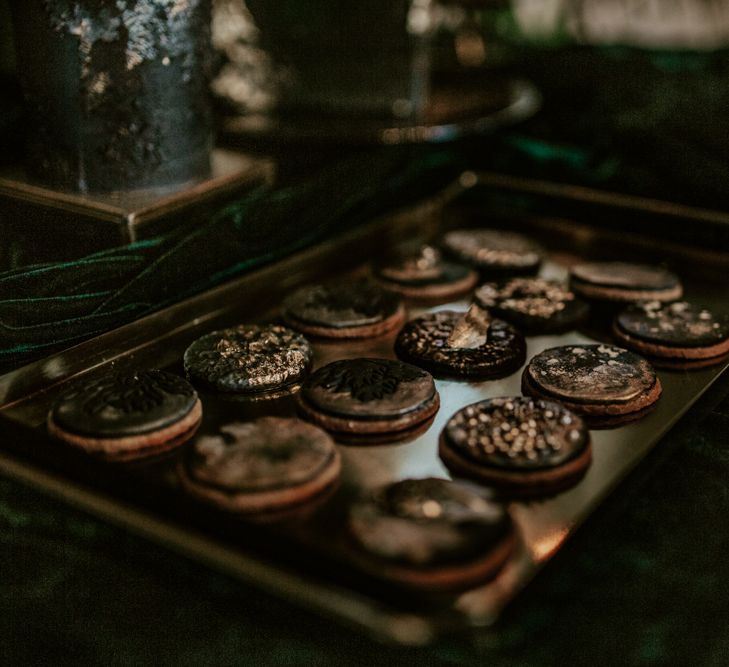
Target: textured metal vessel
(116, 92)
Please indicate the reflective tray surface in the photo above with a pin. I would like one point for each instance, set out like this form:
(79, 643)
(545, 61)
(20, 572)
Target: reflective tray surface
(307, 561)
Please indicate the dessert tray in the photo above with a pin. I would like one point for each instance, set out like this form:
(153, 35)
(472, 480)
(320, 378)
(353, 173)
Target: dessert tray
(307, 562)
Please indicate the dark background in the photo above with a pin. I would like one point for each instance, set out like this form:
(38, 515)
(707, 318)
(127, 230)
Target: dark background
(644, 583)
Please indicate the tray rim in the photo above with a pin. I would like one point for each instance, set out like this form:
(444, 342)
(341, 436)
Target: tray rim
(401, 627)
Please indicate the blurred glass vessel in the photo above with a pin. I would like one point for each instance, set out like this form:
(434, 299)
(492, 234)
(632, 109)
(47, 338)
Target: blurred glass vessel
(313, 72)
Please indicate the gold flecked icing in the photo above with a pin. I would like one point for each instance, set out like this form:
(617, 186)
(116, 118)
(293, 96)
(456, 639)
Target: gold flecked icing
(490, 247)
(269, 453)
(249, 358)
(591, 373)
(517, 432)
(341, 305)
(425, 264)
(535, 297)
(676, 323)
(424, 341)
(428, 522)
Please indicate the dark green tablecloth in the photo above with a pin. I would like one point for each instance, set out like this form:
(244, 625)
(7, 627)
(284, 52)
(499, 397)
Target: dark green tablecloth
(644, 582)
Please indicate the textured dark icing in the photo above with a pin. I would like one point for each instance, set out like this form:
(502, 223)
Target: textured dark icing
(424, 341)
(517, 433)
(124, 404)
(425, 267)
(493, 249)
(341, 305)
(533, 304)
(591, 374)
(269, 453)
(428, 522)
(625, 275)
(249, 358)
(368, 388)
(679, 324)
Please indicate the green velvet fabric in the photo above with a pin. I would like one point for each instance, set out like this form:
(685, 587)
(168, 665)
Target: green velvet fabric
(55, 305)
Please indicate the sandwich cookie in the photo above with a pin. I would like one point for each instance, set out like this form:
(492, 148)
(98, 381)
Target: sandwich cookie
(260, 467)
(359, 309)
(495, 254)
(256, 361)
(431, 534)
(677, 335)
(425, 276)
(622, 282)
(534, 305)
(604, 384)
(467, 345)
(523, 446)
(368, 401)
(126, 416)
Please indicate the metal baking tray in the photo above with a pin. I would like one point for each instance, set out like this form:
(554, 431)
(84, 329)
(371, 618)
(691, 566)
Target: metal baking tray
(307, 562)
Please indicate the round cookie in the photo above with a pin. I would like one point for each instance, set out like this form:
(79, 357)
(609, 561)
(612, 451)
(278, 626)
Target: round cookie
(534, 305)
(126, 416)
(431, 534)
(360, 309)
(250, 359)
(260, 467)
(623, 282)
(369, 400)
(604, 384)
(452, 344)
(494, 253)
(425, 276)
(525, 446)
(676, 335)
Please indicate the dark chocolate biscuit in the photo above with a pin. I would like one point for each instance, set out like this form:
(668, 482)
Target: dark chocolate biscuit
(261, 466)
(425, 276)
(432, 534)
(525, 446)
(606, 385)
(675, 335)
(463, 345)
(495, 253)
(124, 416)
(249, 359)
(381, 398)
(624, 282)
(358, 309)
(535, 305)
